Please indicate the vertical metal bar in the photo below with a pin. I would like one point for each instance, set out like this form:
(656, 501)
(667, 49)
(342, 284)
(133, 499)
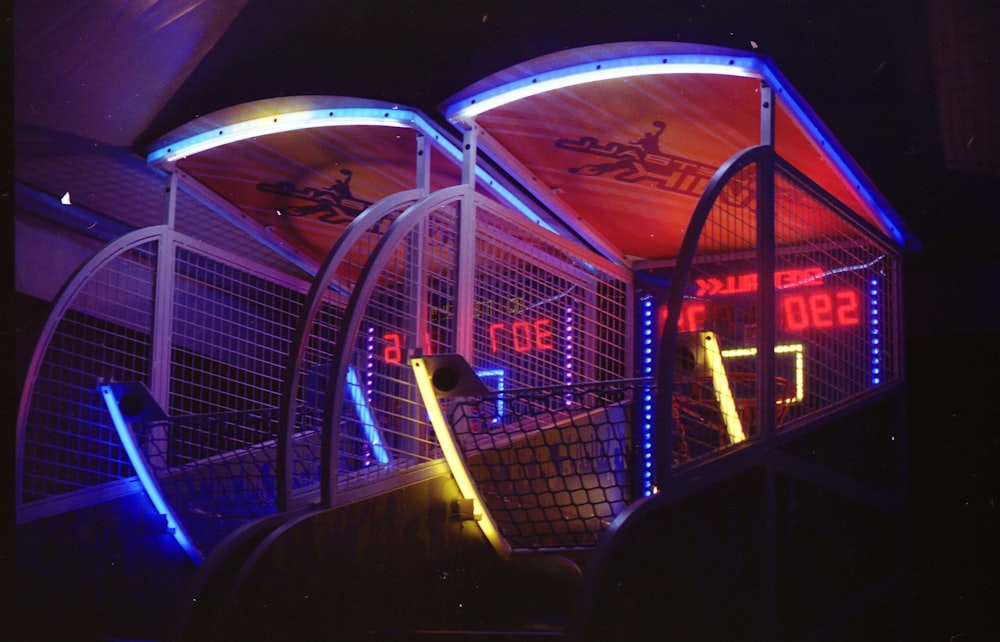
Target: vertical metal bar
(415, 300)
(163, 318)
(766, 338)
(766, 395)
(423, 164)
(171, 213)
(666, 352)
(466, 272)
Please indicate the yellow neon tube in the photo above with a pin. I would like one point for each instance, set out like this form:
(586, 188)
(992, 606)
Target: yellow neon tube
(720, 383)
(800, 366)
(449, 447)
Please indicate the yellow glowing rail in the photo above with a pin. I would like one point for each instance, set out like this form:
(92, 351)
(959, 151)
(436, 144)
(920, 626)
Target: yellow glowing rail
(723, 393)
(800, 366)
(449, 447)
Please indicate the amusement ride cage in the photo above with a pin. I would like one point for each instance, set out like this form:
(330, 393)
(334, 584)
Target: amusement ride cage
(716, 277)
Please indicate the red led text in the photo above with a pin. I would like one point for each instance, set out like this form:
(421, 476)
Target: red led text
(524, 336)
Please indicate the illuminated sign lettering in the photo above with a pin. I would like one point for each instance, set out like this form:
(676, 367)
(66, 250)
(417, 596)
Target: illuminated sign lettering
(745, 283)
(524, 335)
(820, 310)
(521, 336)
(797, 312)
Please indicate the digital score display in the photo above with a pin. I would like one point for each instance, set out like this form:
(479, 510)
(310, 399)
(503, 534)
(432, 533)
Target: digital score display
(519, 336)
(522, 332)
(799, 312)
(803, 301)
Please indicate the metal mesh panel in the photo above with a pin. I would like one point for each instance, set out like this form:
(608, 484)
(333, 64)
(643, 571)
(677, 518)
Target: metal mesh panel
(217, 470)
(836, 299)
(711, 411)
(68, 442)
(216, 458)
(307, 434)
(544, 316)
(554, 475)
(383, 421)
(310, 401)
(231, 332)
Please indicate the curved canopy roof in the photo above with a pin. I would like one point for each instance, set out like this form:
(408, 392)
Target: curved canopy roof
(618, 142)
(623, 138)
(302, 168)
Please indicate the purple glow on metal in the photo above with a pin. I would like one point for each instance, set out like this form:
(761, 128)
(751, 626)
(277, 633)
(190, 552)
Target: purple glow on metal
(568, 347)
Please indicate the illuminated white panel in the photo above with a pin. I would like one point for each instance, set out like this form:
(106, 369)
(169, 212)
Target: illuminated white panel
(605, 70)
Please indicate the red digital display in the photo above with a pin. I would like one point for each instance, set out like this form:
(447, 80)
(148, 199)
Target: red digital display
(823, 309)
(801, 311)
(523, 335)
(520, 336)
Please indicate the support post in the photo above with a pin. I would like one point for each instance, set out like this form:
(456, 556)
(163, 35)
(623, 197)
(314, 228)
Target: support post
(163, 318)
(766, 338)
(766, 395)
(465, 286)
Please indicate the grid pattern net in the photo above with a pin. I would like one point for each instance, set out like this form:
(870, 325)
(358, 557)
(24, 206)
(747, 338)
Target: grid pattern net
(543, 316)
(231, 327)
(835, 331)
(837, 311)
(384, 428)
(709, 411)
(227, 476)
(68, 442)
(318, 359)
(555, 476)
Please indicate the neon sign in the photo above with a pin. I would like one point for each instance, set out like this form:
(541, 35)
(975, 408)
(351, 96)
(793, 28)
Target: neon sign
(521, 336)
(799, 312)
(827, 309)
(524, 336)
(746, 283)
(804, 301)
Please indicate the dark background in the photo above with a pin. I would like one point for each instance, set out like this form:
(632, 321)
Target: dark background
(910, 88)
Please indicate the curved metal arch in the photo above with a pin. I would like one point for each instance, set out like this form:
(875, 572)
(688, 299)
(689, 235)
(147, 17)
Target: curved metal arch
(679, 278)
(66, 296)
(371, 217)
(403, 225)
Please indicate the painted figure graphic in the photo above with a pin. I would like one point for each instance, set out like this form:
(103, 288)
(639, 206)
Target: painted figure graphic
(335, 204)
(641, 161)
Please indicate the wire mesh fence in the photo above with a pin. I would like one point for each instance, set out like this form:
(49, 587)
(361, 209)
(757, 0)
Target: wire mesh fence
(552, 464)
(66, 442)
(835, 300)
(216, 471)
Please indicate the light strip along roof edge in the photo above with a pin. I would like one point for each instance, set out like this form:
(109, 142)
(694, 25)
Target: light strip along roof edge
(627, 59)
(230, 125)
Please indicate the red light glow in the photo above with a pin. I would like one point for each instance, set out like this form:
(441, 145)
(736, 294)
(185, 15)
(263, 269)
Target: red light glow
(822, 309)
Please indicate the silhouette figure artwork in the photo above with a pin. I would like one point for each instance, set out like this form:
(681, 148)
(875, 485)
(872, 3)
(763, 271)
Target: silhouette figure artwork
(335, 204)
(641, 161)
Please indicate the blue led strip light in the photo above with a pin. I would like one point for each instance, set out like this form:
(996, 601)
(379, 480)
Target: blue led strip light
(366, 416)
(568, 351)
(874, 323)
(333, 117)
(146, 476)
(725, 64)
(646, 409)
(500, 374)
